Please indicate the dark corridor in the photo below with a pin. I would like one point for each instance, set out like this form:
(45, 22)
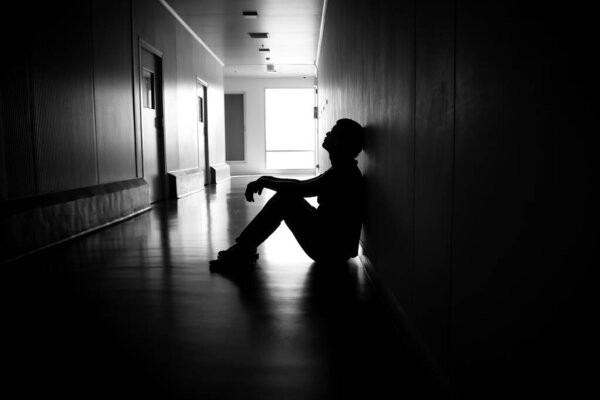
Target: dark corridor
(133, 310)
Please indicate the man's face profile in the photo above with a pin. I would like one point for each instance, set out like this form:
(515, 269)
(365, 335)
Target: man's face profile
(330, 138)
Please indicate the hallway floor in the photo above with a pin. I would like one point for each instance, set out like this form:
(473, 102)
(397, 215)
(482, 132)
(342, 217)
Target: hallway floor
(132, 310)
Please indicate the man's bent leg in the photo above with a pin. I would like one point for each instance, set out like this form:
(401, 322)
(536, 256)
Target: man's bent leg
(280, 207)
(307, 232)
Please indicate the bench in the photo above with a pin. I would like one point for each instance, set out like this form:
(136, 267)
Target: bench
(185, 182)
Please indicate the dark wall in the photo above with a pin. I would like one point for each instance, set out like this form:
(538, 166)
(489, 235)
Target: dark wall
(69, 115)
(433, 168)
(361, 43)
(16, 151)
(113, 88)
(475, 165)
(63, 100)
(69, 98)
(519, 196)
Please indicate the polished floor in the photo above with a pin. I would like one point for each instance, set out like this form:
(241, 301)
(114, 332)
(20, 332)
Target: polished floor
(133, 310)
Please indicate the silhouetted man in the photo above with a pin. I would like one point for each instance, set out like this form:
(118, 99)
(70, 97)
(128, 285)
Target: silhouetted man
(328, 233)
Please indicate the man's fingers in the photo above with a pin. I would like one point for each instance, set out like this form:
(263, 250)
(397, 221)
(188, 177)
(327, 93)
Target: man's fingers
(251, 189)
(248, 193)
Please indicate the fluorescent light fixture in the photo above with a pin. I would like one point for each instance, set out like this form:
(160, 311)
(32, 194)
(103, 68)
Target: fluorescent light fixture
(259, 35)
(250, 14)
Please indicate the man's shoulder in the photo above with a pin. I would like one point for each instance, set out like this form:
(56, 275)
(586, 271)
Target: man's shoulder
(348, 176)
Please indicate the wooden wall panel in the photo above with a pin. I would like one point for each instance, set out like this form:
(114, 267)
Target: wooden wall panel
(215, 108)
(503, 214)
(18, 173)
(113, 90)
(145, 19)
(366, 73)
(434, 158)
(472, 112)
(62, 88)
(475, 155)
(186, 99)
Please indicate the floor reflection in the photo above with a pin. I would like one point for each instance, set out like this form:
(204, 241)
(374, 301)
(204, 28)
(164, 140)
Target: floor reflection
(133, 309)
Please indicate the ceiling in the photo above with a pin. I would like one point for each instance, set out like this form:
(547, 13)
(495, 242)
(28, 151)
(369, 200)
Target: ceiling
(293, 27)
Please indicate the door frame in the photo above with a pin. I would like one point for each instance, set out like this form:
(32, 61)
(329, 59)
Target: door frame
(204, 84)
(144, 45)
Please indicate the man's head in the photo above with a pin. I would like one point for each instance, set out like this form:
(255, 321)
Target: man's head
(345, 140)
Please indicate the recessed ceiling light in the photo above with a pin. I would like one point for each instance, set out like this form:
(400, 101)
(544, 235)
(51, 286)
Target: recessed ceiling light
(259, 35)
(250, 14)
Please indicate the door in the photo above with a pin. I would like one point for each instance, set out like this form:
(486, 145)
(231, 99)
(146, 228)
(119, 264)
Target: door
(202, 131)
(234, 127)
(152, 124)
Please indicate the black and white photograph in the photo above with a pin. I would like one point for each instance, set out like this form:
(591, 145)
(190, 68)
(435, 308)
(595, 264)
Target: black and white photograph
(298, 200)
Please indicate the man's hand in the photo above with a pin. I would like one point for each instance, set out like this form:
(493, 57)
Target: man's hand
(253, 187)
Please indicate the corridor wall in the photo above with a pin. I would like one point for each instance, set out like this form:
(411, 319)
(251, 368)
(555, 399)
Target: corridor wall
(473, 134)
(184, 60)
(70, 115)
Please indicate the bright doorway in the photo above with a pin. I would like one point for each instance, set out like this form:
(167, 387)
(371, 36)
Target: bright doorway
(290, 128)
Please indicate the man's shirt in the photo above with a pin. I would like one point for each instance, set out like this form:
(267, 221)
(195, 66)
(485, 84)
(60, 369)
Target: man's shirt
(342, 206)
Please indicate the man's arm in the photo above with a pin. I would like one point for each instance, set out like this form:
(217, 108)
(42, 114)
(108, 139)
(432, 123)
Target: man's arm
(304, 188)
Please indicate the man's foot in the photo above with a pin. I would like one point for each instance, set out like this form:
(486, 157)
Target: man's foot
(235, 256)
(223, 253)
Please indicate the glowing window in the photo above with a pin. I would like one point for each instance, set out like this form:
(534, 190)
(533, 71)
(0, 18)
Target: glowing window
(290, 128)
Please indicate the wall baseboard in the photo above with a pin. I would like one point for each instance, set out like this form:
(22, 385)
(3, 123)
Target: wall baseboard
(29, 225)
(401, 322)
(91, 230)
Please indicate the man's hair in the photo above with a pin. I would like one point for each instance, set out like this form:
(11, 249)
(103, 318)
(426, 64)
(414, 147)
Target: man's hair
(354, 136)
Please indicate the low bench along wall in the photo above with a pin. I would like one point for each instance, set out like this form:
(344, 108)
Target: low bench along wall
(186, 181)
(219, 172)
(30, 224)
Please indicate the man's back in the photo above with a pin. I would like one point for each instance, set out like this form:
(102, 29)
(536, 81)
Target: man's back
(341, 206)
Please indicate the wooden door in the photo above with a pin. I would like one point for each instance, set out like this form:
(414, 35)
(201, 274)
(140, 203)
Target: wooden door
(152, 124)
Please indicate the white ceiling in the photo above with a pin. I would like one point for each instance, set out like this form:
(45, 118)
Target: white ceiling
(293, 27)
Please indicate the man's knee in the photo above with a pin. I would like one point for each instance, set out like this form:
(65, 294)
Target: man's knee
(283, 204)
(286, 198)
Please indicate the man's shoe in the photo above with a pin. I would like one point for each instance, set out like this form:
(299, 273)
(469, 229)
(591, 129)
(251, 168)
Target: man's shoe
(234, 257)
(223, 253)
